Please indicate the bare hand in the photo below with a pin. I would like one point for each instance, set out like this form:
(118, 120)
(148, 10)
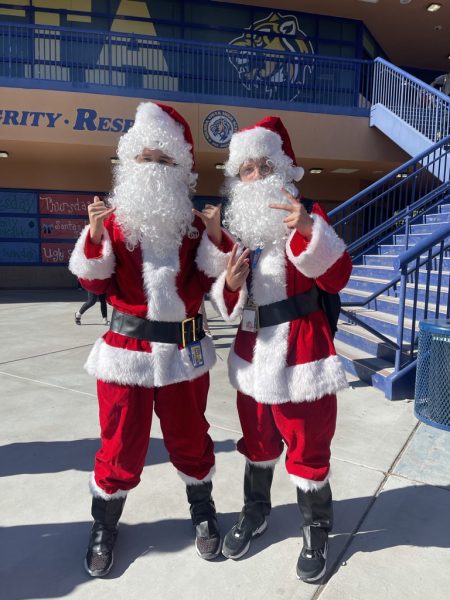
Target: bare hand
(210, 216)
(98, 212)
(237, 269)
(298, 218)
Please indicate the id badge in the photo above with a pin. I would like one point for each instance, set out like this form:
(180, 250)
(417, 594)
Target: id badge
(196, 354)
(250, 318)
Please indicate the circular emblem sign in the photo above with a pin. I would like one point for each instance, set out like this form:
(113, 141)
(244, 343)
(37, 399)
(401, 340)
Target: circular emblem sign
(218, 127)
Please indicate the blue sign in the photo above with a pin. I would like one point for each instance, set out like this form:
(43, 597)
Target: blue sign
(18, 202)
(19, 252)
(19, 227)
(218, 127)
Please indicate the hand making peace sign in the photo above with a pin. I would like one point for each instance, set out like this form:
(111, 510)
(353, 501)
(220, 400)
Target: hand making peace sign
(298, 218)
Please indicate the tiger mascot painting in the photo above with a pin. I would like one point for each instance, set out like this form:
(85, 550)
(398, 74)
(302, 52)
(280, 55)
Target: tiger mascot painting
(275, 76)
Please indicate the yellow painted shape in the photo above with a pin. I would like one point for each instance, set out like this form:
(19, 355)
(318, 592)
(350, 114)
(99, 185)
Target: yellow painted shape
(131, 8)
(11, 12)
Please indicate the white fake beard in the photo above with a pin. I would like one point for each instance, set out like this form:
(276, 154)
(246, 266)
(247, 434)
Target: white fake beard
(248, 216)
(153, 205)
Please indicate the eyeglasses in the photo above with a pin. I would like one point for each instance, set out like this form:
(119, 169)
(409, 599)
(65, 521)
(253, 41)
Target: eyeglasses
(264, 168)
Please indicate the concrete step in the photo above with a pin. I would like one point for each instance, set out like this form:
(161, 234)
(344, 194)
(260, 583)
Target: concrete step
(442, 217)
(360, 363)
(387, 260)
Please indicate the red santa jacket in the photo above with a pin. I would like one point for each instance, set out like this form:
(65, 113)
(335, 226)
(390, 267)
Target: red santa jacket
(294, 361)
(141, 283)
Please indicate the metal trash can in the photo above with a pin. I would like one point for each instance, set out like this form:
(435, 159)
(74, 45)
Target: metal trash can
(432, 395)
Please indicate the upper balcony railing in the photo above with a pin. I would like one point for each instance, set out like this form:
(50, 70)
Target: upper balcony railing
(419, 105)
(137, 65)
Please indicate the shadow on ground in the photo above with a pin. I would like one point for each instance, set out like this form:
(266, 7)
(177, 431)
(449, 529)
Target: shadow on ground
(51, 555)
(53, 457)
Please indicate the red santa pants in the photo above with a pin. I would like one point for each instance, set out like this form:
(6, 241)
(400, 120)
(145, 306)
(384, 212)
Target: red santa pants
(125, 422)
(306, 428)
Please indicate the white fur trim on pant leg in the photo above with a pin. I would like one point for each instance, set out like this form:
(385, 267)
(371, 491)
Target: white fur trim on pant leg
(216, 295)
(323, 250)
(188, 480)
(308, 485)
(264, 464)
(210, 259)
(97, 491)
(92, 268)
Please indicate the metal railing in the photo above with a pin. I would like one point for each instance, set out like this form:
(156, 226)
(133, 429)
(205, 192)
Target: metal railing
(386, 208)
(181, 69)
(379, 211)
(422, 107)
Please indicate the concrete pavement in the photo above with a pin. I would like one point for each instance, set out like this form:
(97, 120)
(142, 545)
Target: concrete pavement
(390, 479)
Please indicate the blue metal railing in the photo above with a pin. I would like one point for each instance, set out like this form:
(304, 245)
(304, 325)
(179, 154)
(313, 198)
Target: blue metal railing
(419, 105)
(378, 211)
(410, 263)
(389, 207)
(181, 69)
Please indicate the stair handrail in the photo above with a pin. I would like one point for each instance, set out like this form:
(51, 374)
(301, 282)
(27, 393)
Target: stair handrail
(401, 215)
(411, 78)
(391, 175)
(363, 220)
(422, 107)
(403, 259)
(434, 245)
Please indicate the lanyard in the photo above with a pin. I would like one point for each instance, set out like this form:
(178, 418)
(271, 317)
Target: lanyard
(254, 258)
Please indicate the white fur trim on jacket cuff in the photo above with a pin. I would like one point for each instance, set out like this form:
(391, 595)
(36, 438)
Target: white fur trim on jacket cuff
(210, 259)
(216, 295)
(323, 250)
(308, 485)
(92, 268)
(97, 491)
(188, 480)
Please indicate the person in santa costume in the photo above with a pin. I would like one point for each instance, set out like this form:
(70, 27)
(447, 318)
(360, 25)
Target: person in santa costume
(282, 363)
(155, 257)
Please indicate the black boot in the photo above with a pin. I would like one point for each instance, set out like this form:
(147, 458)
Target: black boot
(317, 510)
(252, 520)
(99, 556)
(203, 514)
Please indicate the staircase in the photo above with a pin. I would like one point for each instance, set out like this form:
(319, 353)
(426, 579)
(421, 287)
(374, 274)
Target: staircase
(398, 233)
(364, 354)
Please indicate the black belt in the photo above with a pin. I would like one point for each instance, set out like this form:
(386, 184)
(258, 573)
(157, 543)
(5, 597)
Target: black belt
(181, 333)
(289, 309)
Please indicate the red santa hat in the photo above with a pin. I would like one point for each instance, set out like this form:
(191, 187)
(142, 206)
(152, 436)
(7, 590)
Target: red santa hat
(267, 138)
(159, 127)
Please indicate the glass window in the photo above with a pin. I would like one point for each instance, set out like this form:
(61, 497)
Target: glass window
(215, 16)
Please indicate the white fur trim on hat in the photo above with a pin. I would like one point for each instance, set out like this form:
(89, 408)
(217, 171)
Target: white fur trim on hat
(257, 143)
(155, 129)
(188, 480)
(210, 259)
(323, 250)
(92, 268)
